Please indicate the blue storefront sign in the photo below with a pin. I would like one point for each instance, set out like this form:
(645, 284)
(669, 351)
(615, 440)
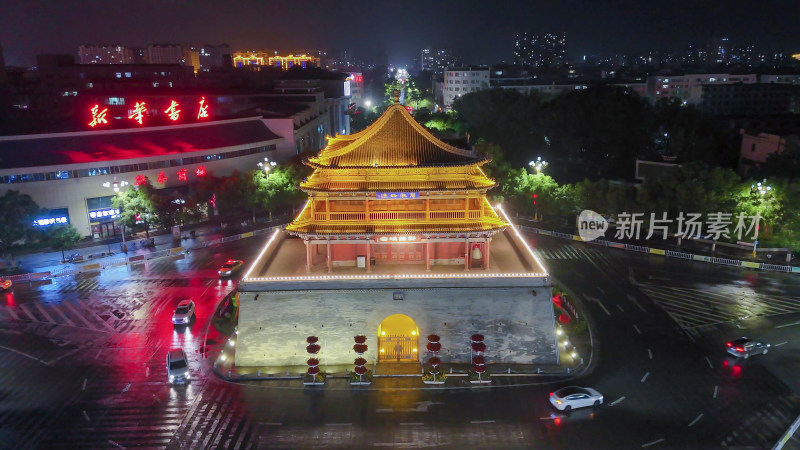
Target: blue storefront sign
(396, 195)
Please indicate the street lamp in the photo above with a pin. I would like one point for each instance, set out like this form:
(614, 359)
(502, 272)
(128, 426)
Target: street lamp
(761, 188)
(267, 165)
(368, 103)
(539, 165)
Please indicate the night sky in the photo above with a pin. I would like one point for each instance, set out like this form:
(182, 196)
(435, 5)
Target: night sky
(480, 31)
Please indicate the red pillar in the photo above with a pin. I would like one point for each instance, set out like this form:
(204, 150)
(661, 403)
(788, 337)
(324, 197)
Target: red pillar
(428, 256)
(369, 254)
(330, 262)
(466, 255)
(308, 257)
(486, 255)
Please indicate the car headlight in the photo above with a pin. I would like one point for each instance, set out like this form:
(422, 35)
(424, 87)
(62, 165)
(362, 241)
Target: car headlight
(185, 319)
(171, 378)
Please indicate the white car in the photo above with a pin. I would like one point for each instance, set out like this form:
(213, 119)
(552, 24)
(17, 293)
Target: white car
(177, 366)
(745, 348)
(183, 313)
(572, 397)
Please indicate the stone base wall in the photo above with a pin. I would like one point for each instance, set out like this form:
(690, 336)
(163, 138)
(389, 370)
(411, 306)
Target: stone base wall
(518, 326)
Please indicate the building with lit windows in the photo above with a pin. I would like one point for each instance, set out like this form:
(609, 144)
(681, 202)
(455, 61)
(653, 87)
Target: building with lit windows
(397, 240)
(437, 60)
(105, 54)
(287, 62)
(540, 49)
(689, 87)
(165, 54)
(251, 58)
(459, 81)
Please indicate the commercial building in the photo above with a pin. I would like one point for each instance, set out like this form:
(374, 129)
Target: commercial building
(689, 87)
(165, 54)
(437, 60)
(752, 99)
(463, 80)
(287, 62)
(214, 56)
(540, 49)
(398, 241)
(73, 176)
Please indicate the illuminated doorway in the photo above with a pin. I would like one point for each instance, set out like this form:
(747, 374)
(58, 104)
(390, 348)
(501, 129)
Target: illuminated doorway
(398, 338)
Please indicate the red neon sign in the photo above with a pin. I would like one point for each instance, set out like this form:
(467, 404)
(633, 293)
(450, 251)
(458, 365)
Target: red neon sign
(173, 112)
(98, 116)
(139, 180)
(162, 177)
(138, 112)
(203, 112)
(201, 171)
(182, 175)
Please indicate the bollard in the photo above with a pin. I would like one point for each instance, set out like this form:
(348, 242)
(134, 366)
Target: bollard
(451, 370)
(229, 374)
(287, 372)
(509, 370)
(538, 370)
(567, 369)
(581, 360)
(258, 373)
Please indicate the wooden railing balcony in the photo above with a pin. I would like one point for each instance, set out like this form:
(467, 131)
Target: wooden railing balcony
(405, 216)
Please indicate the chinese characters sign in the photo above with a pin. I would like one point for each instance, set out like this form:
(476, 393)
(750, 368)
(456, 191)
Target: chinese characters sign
(396, 195)
(202, 113)
(98, 116)
(689, 226)
(396, 239)
(139, 112)
(173, 112)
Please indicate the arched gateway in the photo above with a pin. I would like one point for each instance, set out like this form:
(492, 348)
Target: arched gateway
(398, 339)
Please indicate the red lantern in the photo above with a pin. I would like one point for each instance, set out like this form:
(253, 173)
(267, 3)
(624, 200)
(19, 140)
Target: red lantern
(478, 347)
(435, 362)
(477, 338)
(313, 370)
(312, 339)
(479, 369)
(433, 338)
(312, 362)
(360, 339)
(361, 370)
(313, 349)
(478, 360)
(360, 361)
(360, 348)
(563, 319)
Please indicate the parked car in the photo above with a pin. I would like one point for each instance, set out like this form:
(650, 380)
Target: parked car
(230, 267)
(572, 397)
(5, 285)
(184, 313)
(177, 366)
(744, 347)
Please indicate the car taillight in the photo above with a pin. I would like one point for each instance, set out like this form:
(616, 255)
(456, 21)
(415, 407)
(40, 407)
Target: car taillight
(729, 344)
(551, 394)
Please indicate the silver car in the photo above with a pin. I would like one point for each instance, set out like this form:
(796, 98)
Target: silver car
(572, 397)
(183, 313)
(177, 366)
(744, 347)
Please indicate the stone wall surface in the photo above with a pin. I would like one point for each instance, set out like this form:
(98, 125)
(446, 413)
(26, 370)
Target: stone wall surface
(518, 326)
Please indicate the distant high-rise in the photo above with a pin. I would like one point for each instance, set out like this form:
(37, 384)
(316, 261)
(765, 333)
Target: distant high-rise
(164, 54)
(105, 54)
(540, 49)
(719, 50)
(437, 60)
(213, 56)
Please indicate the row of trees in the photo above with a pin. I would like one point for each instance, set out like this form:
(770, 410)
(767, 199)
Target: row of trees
(17, 214)
(692, 188)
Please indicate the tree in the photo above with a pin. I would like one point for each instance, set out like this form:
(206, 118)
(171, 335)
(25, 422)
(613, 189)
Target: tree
(62, 237)
(135, 202)
(17, 213)
(785, 164)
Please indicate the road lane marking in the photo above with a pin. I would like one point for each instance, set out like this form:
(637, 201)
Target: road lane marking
(84, 384)
(601, 290)
(411, 424)
(64, 316)
(98, 354)
(777, 326)
(27, 312)
(25, 355)
(620, 308)
(115, 444)
(716, 388)
(653, 443)
(650, 352)
(147, 372)
(645, 376)
(44, 313)
(86, 416)
(12, 312)
(637, 329)
(635, 302)
(592, 299)
(617, 401)
(695, 420)
(778, 345)
(709, 362)
(481, 421)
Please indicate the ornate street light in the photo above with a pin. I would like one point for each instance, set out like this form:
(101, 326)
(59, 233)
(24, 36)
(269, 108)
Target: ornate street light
(267, 165)
(761, 187)
(538, 165)
(116, 186)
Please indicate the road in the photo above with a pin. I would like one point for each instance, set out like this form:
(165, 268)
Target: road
(83, 366)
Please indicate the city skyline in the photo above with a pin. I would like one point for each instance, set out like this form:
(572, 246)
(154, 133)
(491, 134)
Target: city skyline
(607, 26)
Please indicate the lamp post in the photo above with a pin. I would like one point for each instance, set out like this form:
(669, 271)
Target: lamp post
(116, 186)
(538, 165)
(761, 188)
(267, 165)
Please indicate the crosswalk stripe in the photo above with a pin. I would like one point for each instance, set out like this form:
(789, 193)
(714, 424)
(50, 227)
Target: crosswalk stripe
(64, 316)
(80, 316)
(28, 312)
(13, 314)
(44, 313)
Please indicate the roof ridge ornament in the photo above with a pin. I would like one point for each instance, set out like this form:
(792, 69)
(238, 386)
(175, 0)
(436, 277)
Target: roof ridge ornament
(396, 96)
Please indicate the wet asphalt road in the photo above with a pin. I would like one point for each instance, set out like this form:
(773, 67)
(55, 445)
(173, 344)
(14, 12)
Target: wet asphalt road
(82, 366)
